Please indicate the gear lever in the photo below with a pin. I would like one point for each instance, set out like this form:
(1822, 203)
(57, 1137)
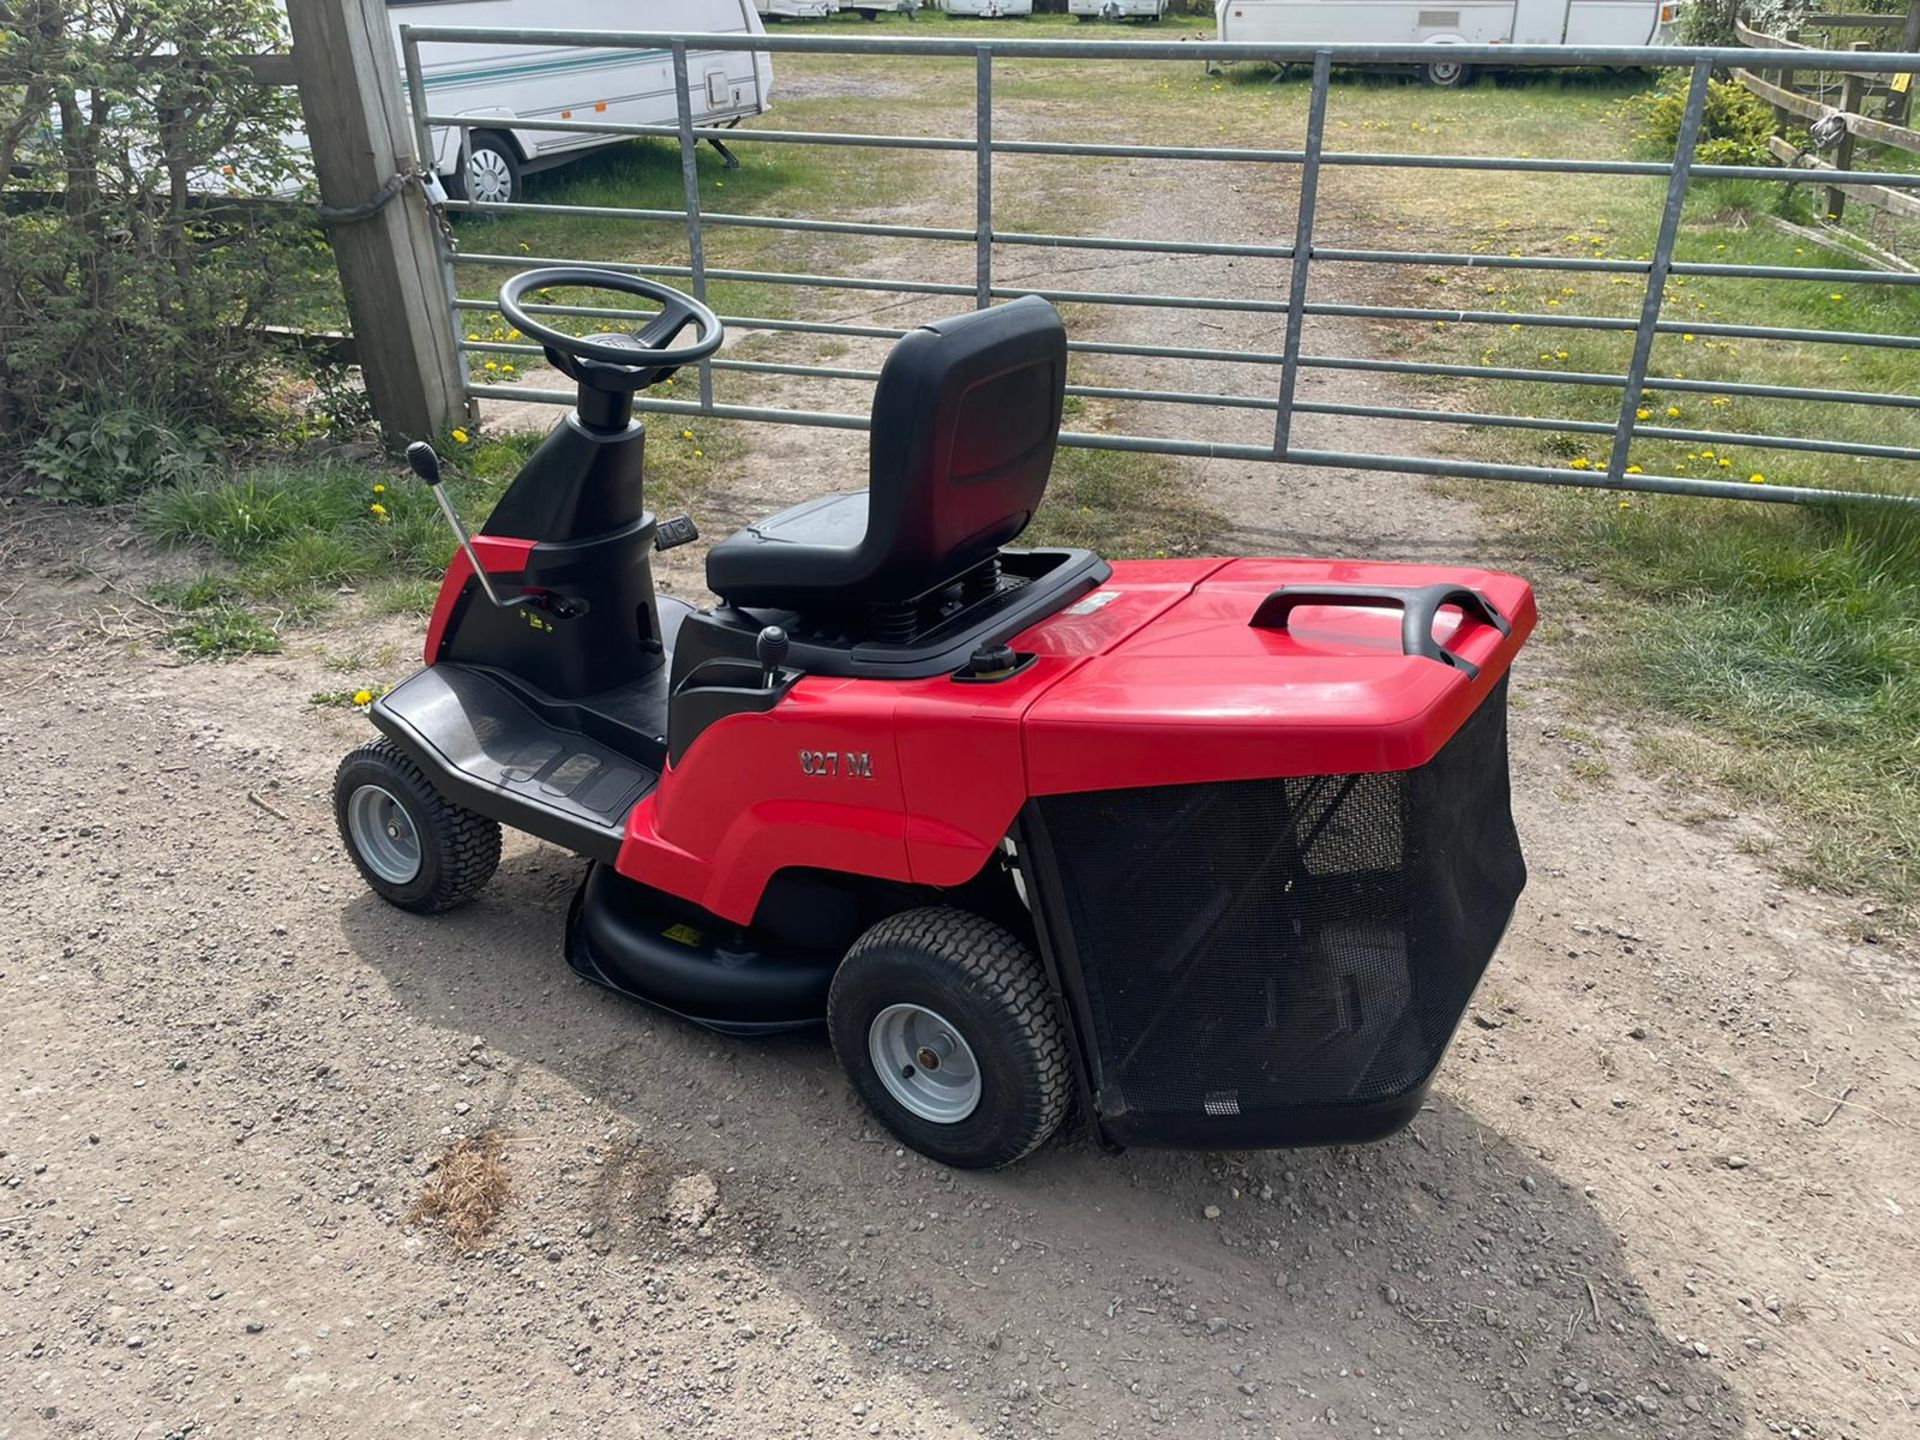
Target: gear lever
(770, 649)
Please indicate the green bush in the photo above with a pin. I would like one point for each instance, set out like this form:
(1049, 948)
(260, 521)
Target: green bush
(132, 296)
(105, 456)
(1733, 127)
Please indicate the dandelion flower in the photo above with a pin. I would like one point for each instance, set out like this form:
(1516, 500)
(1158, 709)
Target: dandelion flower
(363, 697)
(1582, 463)
(506, 369)
(1633, 470)
(379, 489)
(1756, 478)
(1643, 413)
(459, 436)
(686, 434)
(1673, 412)
(699, 454)
(377, 508)
(491, 365)
(1836, 296)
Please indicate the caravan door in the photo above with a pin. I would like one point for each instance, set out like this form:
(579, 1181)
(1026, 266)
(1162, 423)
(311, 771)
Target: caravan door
(1540, 22)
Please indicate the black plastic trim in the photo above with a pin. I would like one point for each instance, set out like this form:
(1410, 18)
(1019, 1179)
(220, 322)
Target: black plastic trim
(1420, 604)
(715, 689)
(1058, 578)
(1061, 960)
(617, 937)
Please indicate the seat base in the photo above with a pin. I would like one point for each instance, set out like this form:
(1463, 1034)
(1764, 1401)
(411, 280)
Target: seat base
(949, 625)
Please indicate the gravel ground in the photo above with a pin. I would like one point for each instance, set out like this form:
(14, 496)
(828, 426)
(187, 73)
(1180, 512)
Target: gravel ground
(1634, 1205)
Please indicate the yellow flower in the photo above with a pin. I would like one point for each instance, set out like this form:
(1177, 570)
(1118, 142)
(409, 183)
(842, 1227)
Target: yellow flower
(1673, 412)
(1688, 337)
(379, 489)
(1643, 413)
(699, 454)
(377, 508)
(1836, 296)
(1756, 478)
(1626, 504)
(472, 335)
(363, 697)
(1725, 464)
(459, 436)
(1583, 463)
(525, 249)
(492, 365)
(506, 369)
(686, 434)
(1633, 470)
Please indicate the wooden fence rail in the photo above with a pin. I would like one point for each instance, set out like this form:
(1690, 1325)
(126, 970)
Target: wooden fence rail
(1857, 89)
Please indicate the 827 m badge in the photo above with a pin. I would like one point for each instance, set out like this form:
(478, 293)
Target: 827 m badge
(854, 764)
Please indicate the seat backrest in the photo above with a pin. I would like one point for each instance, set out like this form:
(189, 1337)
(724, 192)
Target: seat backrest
(965, 419)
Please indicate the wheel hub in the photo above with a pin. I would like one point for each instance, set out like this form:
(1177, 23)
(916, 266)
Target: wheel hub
(383, 833)
(925, 1063)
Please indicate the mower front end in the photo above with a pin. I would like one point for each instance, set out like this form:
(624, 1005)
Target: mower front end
(1270, 848)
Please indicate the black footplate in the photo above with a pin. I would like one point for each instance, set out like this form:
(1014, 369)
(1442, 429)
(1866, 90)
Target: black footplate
(485, 748)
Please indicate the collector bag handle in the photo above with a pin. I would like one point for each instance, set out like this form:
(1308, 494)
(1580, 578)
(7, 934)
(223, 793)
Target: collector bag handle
(1420, 606)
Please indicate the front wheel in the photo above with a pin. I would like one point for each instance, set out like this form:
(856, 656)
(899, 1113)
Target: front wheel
(1446, 74)
(947, 1027)
(413, 846)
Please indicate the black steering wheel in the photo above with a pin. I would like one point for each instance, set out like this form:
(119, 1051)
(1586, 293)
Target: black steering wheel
(616, 360)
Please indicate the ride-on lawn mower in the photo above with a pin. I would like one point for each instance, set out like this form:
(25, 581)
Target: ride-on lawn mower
(1219, 846)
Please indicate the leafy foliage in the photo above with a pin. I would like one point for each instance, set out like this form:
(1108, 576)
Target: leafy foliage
(134, 267)
(1734, 126)
(102, 456)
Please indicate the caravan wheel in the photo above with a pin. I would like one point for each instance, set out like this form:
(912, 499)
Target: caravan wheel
(1446, 74)
(491, 174)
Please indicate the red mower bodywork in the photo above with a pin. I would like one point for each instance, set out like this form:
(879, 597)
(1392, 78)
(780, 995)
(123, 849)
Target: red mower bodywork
(1227, 840)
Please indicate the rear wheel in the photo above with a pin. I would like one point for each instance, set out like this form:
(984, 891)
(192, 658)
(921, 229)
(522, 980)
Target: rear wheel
(946, 1026)
(491, 174)
(1446, 74)
(413, 846)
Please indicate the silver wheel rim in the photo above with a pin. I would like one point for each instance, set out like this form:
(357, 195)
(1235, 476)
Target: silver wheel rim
(1444, 73)
(925, 1063)
(383, 833)
(488, 178)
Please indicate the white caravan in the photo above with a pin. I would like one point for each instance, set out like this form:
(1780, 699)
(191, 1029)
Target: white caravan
(514, 85)
(987, 9)
(1450, 22)
(1117, 9)
(794, 9)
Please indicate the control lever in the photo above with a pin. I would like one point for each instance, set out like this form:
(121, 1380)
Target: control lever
(425, 463)
(770, 649)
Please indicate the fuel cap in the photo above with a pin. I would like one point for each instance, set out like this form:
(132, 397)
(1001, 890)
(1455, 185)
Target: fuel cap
(992, 662)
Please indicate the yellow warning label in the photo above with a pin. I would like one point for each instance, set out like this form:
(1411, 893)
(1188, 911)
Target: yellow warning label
(1902, 84)
(685, 934)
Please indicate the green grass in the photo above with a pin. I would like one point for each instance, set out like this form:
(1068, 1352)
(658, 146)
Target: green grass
(1787, 638)
(288, 537)
(1123, 505)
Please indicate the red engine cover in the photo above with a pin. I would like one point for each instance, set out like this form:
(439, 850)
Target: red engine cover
(1156, 678)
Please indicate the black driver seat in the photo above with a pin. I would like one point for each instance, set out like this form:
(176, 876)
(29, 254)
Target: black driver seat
(965, 418)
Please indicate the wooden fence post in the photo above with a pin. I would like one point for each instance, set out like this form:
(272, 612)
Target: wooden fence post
(1853, 95)
(390, 268)
(1899, 102)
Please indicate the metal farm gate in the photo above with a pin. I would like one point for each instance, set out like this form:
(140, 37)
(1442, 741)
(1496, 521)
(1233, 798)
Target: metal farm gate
(1311, 161)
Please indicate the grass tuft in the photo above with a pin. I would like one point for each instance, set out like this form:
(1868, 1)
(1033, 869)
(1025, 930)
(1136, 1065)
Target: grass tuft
(469, 1189)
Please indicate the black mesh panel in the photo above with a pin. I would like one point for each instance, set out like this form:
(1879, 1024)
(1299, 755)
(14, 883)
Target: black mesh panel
(1260, 957)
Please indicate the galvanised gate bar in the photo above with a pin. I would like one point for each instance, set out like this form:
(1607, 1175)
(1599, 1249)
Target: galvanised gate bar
(1310, 160)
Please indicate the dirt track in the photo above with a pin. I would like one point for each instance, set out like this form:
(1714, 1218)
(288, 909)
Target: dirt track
(1633, 1206)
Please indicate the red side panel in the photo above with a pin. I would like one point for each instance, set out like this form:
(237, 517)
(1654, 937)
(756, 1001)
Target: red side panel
(1200, 695)
(941, 782)
(1156, 678)
(499, 556)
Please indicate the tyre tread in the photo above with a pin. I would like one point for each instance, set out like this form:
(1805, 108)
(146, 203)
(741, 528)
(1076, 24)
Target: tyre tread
(996, 963)
(469, 843)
